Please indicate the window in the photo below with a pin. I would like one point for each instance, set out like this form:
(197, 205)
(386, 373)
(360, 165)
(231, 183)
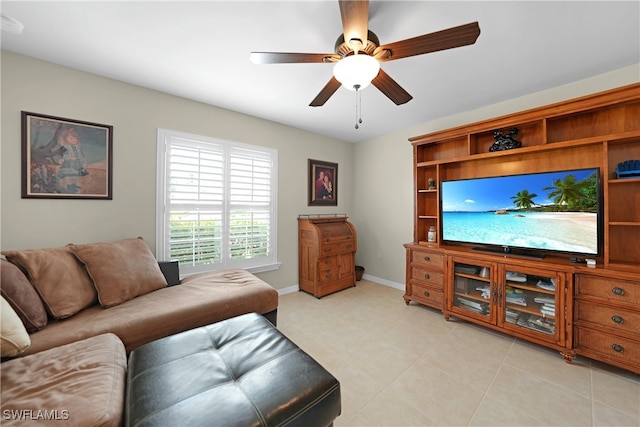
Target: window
(216, 203)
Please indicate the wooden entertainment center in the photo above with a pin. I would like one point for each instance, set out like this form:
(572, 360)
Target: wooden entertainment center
(574, 308)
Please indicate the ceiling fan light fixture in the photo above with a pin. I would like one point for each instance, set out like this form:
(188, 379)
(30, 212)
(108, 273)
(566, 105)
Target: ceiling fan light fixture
(356, 71)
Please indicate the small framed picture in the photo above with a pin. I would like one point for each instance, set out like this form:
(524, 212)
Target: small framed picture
(323, 183)
(66, 158)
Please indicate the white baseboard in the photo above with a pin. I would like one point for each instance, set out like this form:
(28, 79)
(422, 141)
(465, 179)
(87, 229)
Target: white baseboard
(394, 285)
(288, 290)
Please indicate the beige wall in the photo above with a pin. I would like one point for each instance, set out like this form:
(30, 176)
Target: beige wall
(136, 114)
(375, 175)
(383, 200)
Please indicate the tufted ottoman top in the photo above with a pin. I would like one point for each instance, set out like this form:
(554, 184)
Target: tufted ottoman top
(237, 372)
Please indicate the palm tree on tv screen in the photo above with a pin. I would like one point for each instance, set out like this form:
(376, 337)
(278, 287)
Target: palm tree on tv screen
(523, 199)
(569, 194)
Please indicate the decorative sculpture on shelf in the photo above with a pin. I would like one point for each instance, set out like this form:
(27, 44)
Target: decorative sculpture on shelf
(432, 184)
(505, 142)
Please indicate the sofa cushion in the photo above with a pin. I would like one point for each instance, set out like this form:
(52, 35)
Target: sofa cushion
(61, 281)
(14, 338)
(22, 297)
(199, 300)
(79, 384)
(120, 270)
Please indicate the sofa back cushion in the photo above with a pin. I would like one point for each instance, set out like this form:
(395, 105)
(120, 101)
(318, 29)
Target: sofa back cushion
(22, 297)
(14, 338)
(59, 278)
(120, 270)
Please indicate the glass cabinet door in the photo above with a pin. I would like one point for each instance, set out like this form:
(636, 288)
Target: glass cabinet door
(530, 301)
(472, 288)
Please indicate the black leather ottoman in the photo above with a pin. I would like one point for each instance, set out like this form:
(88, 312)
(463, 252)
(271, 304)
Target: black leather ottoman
(237, 372)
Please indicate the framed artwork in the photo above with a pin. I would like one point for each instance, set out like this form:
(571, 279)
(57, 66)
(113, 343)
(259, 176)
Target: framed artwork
(323, 183)
(65, 158)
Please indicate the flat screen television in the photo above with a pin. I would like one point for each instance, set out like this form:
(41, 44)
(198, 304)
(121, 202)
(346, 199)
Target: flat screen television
(527, 214)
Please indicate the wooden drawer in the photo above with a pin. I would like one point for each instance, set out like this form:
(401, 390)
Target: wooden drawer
(432, 259)
(626, 321)
(327, 262)
(429, 296)
(610, 346)
(337, 247)
(622, 291)
(329, 275)
(432, 277)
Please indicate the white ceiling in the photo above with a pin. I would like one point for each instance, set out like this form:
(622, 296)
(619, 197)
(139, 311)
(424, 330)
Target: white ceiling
(200, 50)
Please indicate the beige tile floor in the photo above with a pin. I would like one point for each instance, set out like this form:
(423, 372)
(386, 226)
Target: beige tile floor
(402, 365)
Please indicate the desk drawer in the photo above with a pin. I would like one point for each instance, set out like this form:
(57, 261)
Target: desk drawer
(329, 275)
(327, 262)
(337, 247)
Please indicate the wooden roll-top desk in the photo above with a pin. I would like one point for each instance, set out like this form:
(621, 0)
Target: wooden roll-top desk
(326, 254)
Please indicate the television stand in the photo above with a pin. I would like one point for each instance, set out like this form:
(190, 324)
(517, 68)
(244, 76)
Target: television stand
(508, 252)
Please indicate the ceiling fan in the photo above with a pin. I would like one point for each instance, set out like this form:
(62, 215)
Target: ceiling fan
(359, 43)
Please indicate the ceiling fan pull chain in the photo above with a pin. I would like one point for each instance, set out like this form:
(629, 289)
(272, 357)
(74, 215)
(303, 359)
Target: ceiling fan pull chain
(356, 87)
(360, 105)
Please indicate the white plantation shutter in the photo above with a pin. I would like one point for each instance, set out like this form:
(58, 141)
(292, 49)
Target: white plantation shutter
(216, 203)
(250, 204)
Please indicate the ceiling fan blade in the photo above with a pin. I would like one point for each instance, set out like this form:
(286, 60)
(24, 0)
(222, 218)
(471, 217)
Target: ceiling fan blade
(391, 88)
(326, 92)
(462, 35)
(355, 20)
(289, 58)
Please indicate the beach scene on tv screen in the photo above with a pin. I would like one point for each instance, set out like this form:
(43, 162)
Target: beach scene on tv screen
(550, 211)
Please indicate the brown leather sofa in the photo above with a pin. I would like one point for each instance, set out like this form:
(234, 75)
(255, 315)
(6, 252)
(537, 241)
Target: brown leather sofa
(111, 297)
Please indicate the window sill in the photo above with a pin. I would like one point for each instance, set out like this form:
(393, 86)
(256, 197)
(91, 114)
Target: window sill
(264, 268)
(255, 269)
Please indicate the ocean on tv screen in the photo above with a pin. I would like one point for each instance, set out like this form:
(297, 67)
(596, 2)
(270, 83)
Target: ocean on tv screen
(559, 231)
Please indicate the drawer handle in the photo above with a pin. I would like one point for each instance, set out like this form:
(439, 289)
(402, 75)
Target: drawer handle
(617, 348)
(426, 276)
(618, 291)
(619, 320)
(427, 259)
(426, 293)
